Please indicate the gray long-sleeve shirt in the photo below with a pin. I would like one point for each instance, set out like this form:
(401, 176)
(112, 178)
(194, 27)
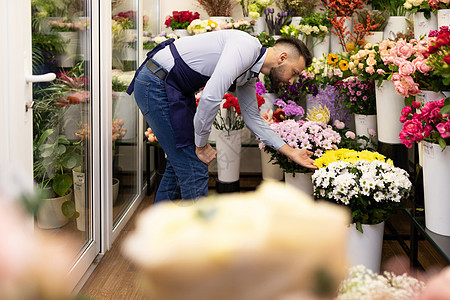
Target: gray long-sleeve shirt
(223, 56)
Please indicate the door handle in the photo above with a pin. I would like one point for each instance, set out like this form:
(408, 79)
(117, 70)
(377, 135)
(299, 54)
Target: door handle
(40, 78)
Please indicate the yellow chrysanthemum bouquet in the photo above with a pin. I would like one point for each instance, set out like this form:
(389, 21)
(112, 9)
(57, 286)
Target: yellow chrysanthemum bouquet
(366, 182)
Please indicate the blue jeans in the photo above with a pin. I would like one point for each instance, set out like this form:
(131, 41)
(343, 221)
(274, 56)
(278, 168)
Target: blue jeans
(186, 177)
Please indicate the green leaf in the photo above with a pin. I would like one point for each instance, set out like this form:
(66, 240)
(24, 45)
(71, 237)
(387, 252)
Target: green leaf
(445, 109)
(60, 149)
(70, 162)
(62, 183)
(359, 227)
(68, 210)
(43, 137)
(442, 143)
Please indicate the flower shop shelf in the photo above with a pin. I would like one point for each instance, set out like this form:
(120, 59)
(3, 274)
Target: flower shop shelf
(439, 242)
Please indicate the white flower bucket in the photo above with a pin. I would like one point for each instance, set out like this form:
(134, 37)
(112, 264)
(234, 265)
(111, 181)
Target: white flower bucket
(296, 21)
(389, 108)
(365, 248)
(260, 26)
(50, 214)
(321, 48)
(79, 193)
(422, 25)
(443, 17)
(213, 135)
(436, 180)
(181, 32)
(246, 135)
(68, 58)
(115, 189)
(335, 47)
(363, 123)
(395, 25)
(228, 147)
(301, 181)
(375, 37)
(126, 110)
(270, 171)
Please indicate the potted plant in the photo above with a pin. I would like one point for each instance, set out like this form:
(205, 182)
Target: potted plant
(317, 137)
(180, 20)
(359, 97)
(427, 125)
(371, 187)
(374, 17)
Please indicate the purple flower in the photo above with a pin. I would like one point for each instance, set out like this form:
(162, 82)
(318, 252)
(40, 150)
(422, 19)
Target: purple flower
(260, 89)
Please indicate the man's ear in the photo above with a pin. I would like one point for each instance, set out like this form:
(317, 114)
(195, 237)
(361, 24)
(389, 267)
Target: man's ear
(282, 57)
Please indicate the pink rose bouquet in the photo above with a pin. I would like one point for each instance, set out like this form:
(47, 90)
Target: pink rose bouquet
(439, 4)
(317, 137)
(428, 124)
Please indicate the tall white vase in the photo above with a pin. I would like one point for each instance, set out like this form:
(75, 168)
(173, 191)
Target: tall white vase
(301, 181)
(436, 180)
(296, 21)
(375, 37)
(395, 25)
(389, 108)
(79, 193)
(335, 46)
(365, 248)
(181, 32)
(443, 17)
(67, 59)
(422, 25)
(126, 110)
(270, 171)
(260, 26)
(228, 147)
(363, 124)
(322, 47)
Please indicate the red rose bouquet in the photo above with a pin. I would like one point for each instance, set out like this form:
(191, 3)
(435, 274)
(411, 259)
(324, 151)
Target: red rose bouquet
(181, 19)
(438, 56)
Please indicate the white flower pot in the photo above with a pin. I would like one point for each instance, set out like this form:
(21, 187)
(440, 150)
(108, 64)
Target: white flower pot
(246, 135)
(335, 46)
(270, 171)
(363, 123)
(322, 47)
(436, 180)
(68, 58)
(125, 109)
(79, 193)
(443, 17)
(395, 25)
(260, 26)
(228, 147)
(50, 214)
(115, 189)
(375, 37)
(181, 32)
(296, 21)
(213, 135)
(422, 25)
(129, 54)
(301, 181)
(365, 248)
(389, 108)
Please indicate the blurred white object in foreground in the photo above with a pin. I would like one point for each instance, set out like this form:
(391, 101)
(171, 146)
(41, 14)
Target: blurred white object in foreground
(267, 244)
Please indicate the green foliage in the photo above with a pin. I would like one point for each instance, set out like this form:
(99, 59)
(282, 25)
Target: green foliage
(393, 7)
(266, 39)
(376, 17)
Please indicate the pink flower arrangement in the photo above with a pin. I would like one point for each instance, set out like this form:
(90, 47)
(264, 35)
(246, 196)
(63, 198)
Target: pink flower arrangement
(427, 124)
(314, 136)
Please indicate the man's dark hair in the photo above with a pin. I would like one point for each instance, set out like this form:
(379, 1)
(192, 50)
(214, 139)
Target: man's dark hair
(299, 45)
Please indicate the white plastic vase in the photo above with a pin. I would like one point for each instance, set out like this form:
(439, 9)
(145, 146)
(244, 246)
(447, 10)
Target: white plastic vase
(115, 188)
(270, 171)
(363, 123)
(50, 214)
(79, 193)
(335, 46)
(365, 248)
(181, 32)
(422, 25)
(443, 17)
(375, 37)
(126, 110)
(436, 180)
(296, 21)
(68, 58)
(389, 108)
(260, 26)
(228, 147)
(395, 25)
(321, 46)
(302, 181)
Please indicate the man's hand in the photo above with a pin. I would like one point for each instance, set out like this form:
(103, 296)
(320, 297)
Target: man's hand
(300, 156)
(206, 153)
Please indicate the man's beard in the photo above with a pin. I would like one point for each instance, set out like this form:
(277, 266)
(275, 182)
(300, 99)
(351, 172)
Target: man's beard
(275, 77)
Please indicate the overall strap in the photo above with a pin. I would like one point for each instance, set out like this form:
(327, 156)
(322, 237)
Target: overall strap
(261, 53)
(150, 54)
(174, 51)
